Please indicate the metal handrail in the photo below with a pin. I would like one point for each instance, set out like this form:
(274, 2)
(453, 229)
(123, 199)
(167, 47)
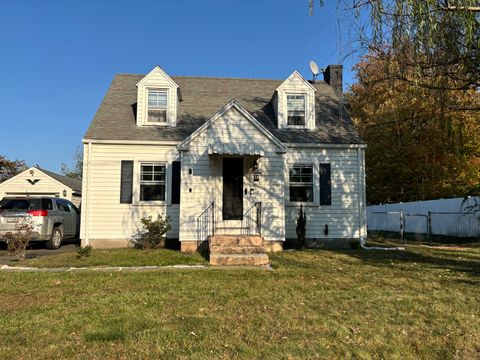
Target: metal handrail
(206, 223)
(248, 221)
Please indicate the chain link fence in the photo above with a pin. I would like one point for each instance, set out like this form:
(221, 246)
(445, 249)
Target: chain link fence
(433, 227)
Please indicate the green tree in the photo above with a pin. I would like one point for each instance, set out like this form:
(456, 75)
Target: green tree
(9, 168)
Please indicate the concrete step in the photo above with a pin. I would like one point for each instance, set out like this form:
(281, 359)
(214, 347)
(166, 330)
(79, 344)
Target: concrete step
(239, 260)
(236, 249)
(238, 240)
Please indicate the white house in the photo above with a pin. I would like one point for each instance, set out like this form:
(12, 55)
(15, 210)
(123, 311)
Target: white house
(40, 182)
(223, 156)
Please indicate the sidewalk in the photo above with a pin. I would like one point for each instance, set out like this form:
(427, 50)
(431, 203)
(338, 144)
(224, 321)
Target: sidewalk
(8, 268)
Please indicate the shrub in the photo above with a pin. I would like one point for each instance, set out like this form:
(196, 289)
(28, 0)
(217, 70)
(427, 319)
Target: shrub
(301, 227)
(83, 251)
(17, 241)
(354, 244)
(151, 234)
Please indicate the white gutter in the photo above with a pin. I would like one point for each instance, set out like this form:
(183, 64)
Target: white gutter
(320, 145)
(129, 142)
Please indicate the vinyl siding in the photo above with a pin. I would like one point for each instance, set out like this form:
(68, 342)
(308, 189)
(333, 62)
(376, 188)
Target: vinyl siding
(346, 216)
(206, 180)
(103, 217)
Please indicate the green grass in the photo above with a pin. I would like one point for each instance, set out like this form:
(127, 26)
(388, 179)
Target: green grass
(117, 257)
(420, 303)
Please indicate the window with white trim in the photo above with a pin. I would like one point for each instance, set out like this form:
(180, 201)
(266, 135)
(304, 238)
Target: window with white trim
(301, 183)
(152, 181)
(157, 106)
(296, 109)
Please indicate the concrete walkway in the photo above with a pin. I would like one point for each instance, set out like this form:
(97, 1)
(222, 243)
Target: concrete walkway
(8, 268)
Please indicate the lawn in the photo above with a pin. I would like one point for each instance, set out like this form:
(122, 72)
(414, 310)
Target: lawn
(117, 257)
(420, 303)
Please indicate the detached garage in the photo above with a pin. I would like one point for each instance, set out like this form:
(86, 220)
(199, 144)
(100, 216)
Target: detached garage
(40, 182)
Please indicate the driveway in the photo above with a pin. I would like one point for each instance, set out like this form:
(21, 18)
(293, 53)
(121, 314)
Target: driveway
(34, 250)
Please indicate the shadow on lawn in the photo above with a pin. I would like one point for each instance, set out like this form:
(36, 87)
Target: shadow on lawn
(379, 258)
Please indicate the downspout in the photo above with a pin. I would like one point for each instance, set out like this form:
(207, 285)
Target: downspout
(87, 216)
(360, 193)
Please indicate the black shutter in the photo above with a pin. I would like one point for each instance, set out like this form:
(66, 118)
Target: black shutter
(325, 185)
(176, 179)
(126, 182)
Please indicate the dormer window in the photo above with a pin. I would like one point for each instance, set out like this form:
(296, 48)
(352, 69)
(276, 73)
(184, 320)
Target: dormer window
(157, 106)
(157, 99)
(296, 110)
(294, 103)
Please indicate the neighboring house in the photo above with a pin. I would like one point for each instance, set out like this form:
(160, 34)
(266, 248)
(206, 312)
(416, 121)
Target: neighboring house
(230, 156)
(40, 182)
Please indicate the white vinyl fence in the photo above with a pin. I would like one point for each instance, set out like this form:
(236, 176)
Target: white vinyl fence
(424, 220)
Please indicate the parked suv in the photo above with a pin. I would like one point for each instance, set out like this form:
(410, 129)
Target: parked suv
(54, 219)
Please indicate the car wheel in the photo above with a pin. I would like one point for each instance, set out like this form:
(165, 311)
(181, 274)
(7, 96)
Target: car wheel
(56, 238)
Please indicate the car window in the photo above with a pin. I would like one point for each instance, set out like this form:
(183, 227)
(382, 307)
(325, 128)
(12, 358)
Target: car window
(62, 205)
(72, 207)
(47, 204)
(21, 204)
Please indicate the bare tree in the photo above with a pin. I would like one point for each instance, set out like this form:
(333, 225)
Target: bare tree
(74, 171)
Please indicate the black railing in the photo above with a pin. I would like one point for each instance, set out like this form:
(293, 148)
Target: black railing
(252, 220)
(206, 223)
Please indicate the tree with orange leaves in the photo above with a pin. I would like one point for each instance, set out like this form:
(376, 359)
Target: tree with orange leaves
(423, 143)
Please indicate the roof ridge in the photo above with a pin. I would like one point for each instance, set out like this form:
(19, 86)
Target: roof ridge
(206, 77)
(318, 81)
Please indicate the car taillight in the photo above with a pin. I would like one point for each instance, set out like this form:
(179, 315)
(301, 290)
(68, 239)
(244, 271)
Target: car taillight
(38, 212)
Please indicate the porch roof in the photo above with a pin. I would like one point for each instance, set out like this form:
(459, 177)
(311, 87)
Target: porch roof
(236, 149)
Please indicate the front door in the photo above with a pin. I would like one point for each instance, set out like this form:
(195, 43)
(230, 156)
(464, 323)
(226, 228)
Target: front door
(232, 189)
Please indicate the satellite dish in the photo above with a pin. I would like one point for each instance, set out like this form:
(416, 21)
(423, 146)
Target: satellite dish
(314, 69)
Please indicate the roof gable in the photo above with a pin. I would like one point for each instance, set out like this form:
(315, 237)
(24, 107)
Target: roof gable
(233, 105)
(73, 184)
(157, 71)
(296, 79)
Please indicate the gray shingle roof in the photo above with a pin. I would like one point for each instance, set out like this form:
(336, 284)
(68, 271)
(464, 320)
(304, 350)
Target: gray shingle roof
(74, 184)
(202, 97)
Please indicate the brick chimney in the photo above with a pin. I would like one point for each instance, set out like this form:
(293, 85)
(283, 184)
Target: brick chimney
(333, 77)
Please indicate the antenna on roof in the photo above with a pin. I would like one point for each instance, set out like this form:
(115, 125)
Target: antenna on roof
(315, 70)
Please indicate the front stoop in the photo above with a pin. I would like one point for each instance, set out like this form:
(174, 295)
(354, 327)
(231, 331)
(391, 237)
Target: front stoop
(237, 250)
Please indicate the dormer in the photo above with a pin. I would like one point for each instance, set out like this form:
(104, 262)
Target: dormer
(294, 103)
(157, 99)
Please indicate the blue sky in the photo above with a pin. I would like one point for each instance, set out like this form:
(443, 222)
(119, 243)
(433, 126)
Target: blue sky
(59, 57)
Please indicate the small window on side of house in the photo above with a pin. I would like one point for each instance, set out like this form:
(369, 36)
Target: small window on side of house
(301, 183)
(157, 106)
(296, 109)
(152, 182)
